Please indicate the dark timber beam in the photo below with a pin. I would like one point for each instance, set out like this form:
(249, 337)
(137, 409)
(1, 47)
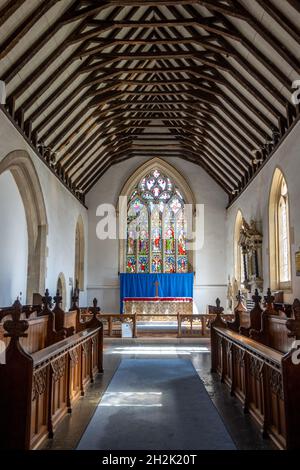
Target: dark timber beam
(9, 9)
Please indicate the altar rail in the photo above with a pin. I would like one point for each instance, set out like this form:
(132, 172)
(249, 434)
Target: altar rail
(266, 381)
(198, 325)
(188, 326)
(38, 390)
(112, 322)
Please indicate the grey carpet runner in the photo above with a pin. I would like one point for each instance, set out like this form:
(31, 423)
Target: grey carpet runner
(156, 404)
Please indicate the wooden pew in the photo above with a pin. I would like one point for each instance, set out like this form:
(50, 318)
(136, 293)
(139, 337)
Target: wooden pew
(46, 326)
(28, 311)
(241, 317)
(60, 324)
(254, 318)
(273, 331)
(63, 320)
(84, 317)
(266, 381)
(36, 338)
(267, 325)
(36, 391)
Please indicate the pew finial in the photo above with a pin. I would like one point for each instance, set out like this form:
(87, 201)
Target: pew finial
(75, 298)
(269, 300)
(95, 309)
(57, 299)
(47, 299)
(293, 324)
(219, 309)
(16, 327)
(256, 298)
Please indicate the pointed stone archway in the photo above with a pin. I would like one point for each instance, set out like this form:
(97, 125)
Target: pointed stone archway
(24, 173)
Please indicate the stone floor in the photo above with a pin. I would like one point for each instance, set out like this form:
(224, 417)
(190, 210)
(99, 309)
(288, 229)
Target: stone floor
(243, 430)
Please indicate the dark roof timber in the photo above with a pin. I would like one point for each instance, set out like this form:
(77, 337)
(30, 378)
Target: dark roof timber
(92, 83)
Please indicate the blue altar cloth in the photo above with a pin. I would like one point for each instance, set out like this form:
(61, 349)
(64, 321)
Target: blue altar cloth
(143, 285)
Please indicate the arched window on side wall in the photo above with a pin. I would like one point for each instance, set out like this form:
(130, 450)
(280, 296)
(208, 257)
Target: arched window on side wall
(79, 254)
(279, 233)
(239, 273)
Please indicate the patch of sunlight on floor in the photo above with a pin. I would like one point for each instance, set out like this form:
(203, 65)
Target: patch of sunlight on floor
(144, 399)
(160, 350)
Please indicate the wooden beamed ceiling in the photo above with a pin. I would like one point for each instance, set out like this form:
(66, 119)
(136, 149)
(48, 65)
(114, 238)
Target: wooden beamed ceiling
(92, 83)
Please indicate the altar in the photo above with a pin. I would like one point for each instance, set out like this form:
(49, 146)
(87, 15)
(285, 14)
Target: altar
(156, 293)
(162, 306)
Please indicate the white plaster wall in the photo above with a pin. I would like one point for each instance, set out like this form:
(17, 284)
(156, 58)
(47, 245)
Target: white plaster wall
(103, 255)
(13, 242)
(254, 204)
(62, 210)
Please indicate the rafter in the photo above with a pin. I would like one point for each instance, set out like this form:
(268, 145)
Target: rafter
(8, 10)
(209, 24)
(18, 34)
(129, 77)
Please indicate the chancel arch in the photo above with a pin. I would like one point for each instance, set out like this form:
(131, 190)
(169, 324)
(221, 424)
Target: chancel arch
(23, 171)
(279, 233)
(79, 254)
(157, 218)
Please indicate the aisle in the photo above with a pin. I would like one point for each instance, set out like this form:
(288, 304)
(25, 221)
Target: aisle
(156, 404)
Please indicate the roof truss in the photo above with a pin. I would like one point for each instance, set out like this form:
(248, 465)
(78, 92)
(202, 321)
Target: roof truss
(127, 78)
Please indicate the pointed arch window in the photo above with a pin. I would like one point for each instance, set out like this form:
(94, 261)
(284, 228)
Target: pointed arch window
(283, 235)
(156, 227)
(279, 230)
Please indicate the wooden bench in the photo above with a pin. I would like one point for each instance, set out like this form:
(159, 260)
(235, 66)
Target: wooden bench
(266, 325)
(38, 390)
(266, 381)
(45, 326)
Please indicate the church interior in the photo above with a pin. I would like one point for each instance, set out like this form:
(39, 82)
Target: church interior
(149, 225)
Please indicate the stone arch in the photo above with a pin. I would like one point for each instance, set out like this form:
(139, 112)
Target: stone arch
(181, 183)
(79, 253)
(62, 288)
(24, 173)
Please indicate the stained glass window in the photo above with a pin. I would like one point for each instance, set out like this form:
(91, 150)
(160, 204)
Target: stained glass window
(156, 227)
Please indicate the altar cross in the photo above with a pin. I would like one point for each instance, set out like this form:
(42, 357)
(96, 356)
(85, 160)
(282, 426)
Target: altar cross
(156, 283)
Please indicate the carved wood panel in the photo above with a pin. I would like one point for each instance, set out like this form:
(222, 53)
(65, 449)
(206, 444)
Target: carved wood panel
(256, 382)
